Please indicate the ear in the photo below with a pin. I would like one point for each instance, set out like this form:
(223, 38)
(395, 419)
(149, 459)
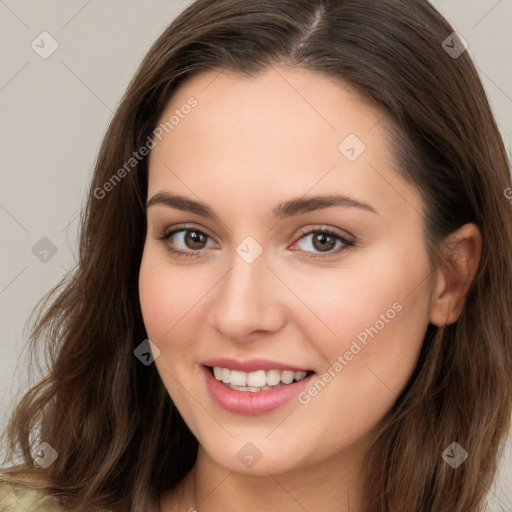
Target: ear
(460, 256)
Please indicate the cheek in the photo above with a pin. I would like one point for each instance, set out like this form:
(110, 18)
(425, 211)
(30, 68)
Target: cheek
(379, 335)
(367, 290)
(369, 325)
(167, 294)
(167, 297)
(156, 299)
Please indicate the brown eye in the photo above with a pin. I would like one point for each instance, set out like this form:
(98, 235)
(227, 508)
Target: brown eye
(195, 239)
(323, 242)
(185, 242)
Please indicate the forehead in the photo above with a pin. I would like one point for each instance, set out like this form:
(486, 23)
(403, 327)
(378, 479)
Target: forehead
(283, 130)
(278, 102)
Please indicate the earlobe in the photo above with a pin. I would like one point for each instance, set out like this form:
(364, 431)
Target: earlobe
(460, 256)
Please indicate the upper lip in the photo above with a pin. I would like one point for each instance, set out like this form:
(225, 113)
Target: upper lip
(252, 365)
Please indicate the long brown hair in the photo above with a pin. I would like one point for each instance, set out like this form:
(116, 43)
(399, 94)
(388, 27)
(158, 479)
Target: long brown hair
(119, 438)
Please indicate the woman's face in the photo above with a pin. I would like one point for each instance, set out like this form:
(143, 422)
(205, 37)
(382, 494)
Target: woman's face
(260, 165)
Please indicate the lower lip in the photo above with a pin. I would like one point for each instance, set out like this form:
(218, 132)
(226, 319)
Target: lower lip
(252, 403)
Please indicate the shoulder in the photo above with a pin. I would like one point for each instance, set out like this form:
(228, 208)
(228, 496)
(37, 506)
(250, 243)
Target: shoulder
(20, 497)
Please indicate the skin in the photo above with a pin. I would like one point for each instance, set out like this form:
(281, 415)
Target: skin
(249, 145)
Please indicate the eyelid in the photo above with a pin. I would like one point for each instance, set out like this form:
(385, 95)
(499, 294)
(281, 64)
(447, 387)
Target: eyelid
(185, 227)
(348, 241)
(343, 233)
(303, 231)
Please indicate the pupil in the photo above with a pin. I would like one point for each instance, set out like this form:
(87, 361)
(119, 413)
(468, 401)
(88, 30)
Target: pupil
(192, 237)
(323, 239)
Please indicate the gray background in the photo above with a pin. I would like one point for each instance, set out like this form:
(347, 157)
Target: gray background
(54, 113)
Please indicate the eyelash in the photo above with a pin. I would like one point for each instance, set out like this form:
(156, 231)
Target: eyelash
(348, 244)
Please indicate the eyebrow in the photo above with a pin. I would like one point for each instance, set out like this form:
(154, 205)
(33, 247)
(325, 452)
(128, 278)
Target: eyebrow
(291, 208)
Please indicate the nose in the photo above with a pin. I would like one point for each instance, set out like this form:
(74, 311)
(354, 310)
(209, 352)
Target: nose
(248, 302)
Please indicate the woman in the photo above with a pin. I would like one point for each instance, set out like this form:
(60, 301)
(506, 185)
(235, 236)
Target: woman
(295, 284)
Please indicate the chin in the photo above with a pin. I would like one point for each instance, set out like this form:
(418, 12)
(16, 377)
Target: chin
(257, 457)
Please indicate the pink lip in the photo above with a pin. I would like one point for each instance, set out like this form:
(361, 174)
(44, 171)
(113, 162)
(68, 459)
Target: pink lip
(247, 402)
(251, 365)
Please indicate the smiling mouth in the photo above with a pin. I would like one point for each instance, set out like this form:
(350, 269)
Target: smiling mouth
(260, 380)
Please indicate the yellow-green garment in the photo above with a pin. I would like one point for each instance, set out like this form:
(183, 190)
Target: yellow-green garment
(18, 497)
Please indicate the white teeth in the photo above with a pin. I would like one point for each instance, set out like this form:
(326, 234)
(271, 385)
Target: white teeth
(239, 378)
(244, 388)
(287, 377)
(255, 381)
(273, 377)
(300, 375)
